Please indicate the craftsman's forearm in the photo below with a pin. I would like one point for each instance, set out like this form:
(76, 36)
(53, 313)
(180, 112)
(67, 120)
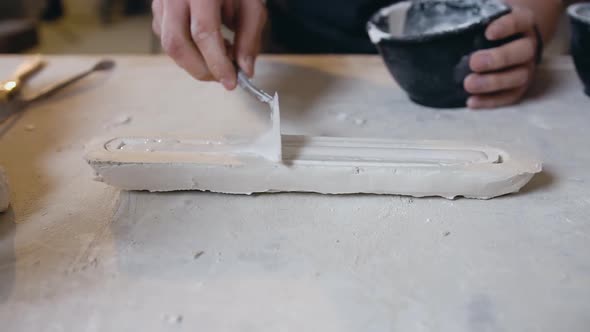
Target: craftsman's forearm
(547, 14)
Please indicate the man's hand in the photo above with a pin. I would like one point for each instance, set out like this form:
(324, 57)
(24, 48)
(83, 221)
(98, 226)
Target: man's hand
(190, 32)
(502, 75)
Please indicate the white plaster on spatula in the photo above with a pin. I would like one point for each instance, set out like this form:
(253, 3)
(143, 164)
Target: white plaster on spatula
(4, 191)
(268, 145)
(313, 164)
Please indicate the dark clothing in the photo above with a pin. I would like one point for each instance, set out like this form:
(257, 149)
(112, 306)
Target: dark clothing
(54, 10)
(11, 9)
(322, 26)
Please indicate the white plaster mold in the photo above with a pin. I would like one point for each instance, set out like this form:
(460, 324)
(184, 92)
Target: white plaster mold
(326, 165)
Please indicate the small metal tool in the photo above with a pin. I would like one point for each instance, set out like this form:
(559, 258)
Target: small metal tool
(11, 99)
(245, 83)
(12, 87)
(271, 141)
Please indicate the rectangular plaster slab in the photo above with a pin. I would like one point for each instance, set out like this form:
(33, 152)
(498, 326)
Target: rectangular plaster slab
(324, 165)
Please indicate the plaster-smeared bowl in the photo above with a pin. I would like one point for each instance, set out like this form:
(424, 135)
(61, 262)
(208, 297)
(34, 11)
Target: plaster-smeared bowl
(580, 20)
(426, 45)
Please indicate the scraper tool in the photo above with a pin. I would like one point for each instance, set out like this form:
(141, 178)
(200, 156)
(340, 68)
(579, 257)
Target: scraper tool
(269, 143)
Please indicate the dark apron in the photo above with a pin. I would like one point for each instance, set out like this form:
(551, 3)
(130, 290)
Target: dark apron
(321, 26)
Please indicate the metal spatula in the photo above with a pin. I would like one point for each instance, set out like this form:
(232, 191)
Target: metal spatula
(270, 143)
(11, 99)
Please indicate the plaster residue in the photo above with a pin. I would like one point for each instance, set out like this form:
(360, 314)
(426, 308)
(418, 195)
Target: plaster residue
(360, 121)
(581, 11)
(417, 18)
(342, 116)
(173, 319)
(428, 17)
(120, 120)
(269, 144)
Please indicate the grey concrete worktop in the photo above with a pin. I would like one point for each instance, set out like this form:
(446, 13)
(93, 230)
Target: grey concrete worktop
(77, 255)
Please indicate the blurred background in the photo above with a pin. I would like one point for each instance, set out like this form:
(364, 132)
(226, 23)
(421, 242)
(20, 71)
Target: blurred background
(101, 27)
(76, 26)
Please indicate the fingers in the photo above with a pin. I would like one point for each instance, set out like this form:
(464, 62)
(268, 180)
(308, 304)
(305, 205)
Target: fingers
(498, 89)
(250, 23)
(190, 31)
(503, 74)
(495, 100)
(228, 13)
(205, 28)
(515, 53)
(520, 20)
(176, 40)
(493, 82)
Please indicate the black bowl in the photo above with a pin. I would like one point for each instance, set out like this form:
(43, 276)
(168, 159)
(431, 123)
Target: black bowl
(580, 21)
(427, 48)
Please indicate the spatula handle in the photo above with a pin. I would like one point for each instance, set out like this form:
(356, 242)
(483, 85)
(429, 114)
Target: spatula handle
(28, 69)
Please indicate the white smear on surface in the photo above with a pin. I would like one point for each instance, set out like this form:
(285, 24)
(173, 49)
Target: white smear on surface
(121, 120)
(356, 120)
(173, 319)
(30, 127)
(269, 144)
(360, 121)
(539, 122)
(342, 116)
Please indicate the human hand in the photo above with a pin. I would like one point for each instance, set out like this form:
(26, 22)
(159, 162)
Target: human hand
(190, 33)
(502, 75)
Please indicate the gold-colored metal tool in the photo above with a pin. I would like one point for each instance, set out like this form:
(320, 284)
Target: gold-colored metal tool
(11, 99)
